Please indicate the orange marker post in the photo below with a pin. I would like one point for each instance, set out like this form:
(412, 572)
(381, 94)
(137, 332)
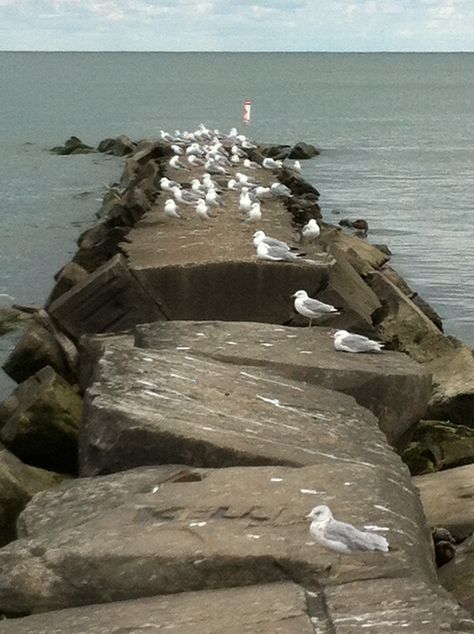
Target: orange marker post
(246, 112)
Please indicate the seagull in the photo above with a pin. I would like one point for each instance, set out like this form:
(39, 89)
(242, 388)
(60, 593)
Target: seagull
(212, 198)
(251, 164)
(194, 160)
(176, 163)
(278, 189)
(255, 213)
(203, 211)
(177, 149)
(197, 188)
(243, 179)
(312, 308)
(276, 254)
(259, 236)
(310, 231)
(166, 136)
(232, 185)
(263, 192)
(297, 166)
(342, 537)
(345, 341)
(182, 196)
(167, 185)
(234, 159)
(271, 164)
(171, 209)
(245, 203)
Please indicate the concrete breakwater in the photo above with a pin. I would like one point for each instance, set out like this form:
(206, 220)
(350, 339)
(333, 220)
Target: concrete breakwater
(169, 371)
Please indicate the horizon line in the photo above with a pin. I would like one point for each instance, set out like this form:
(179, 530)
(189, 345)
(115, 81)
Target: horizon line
(342, 52)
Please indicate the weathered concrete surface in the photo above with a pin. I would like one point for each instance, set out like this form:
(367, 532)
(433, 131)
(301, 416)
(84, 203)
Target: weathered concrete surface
(266, 609)
(368, 253)
(39, 422)
(18, 483)
(209, 270)
(70, 275)
(458, 575)
(448, 499)
(391, 385)
(169, 529)
(148, 407)
(109, 299)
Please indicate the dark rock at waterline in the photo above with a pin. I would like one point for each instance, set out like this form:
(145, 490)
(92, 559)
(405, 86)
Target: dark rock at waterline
(73, 145)
(458, 575)
(70, 275)
(437, 445)
(120, 146)
(40, 422)
(277, 152)
(18, 483)
(302, 150)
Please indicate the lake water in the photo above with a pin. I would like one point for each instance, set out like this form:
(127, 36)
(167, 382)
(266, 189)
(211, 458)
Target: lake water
(396, 132)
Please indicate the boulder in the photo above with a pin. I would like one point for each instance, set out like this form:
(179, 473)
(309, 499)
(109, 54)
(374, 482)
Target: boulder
(167, 530)
(437, 445)
(155, 407)
(12, 319)
(347, 290)
(40, 422)
(302, 150)
(37, 348)
(266, 608)
(392, 386)
(120, 146)
(18, 484)
(70, 275)
(404, 325)
(423, 305)
(453, 385)
(73, 146)
(110, 299)
(333, 237)
(458, 575)
(277, 152)
(448, 499)
(99, 244)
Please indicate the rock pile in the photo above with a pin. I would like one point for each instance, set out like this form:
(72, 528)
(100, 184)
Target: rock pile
(169, 370)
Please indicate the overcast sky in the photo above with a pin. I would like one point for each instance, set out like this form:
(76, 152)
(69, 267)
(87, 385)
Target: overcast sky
(237, 25)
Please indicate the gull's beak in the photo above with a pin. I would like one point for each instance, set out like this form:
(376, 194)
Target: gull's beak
(308, 517)
(294, 295)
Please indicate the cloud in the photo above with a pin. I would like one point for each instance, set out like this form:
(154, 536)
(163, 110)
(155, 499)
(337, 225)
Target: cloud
(239, 24)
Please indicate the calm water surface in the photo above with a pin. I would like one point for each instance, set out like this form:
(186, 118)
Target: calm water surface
(396, 131)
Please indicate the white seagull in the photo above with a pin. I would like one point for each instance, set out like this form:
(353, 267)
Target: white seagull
(167, 185)
(310, 231)
(347, 342)
(245, 203)
(259, 236)
(271, 164)
(171, 209)
(176, 164)
(255, 213)
(276, 254)
(341, 537)
(278, 189)
(312, 308)
(203, 211)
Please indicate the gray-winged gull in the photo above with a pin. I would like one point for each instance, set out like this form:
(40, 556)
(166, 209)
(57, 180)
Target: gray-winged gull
(342, 537)
(347, 342)
(312, 308)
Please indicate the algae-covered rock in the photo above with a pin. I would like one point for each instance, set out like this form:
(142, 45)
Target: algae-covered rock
(73, 145)
(18, 483)
(11, 319)
(40, 422)
(437, 445)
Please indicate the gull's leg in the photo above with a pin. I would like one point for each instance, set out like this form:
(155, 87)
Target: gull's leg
(310, 322)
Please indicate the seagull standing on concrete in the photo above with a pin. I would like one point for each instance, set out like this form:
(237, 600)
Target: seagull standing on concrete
(255, 213)
(203, 211)
(271, 164)
(176, 164)
(312, 308)
(348, 342)
(310, 231)
(341, 537)
(171, 209)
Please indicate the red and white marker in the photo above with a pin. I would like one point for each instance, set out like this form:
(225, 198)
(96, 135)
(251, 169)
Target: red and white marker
(246, 112)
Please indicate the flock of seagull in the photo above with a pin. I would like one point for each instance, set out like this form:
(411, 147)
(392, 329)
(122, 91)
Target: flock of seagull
(216, 153)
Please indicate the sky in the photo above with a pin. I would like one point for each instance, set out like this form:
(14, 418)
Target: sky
(237, 25)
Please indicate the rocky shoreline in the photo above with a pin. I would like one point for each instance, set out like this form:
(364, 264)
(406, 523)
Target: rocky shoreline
(169, 371)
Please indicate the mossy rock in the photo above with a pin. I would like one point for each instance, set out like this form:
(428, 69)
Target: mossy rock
(18, 484)
(438, 445)
(41, 422)
(11, 319)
